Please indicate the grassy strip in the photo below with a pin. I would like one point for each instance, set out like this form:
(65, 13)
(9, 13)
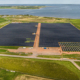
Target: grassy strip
(2, 20)
(29, 18)
(76, 22)
(30, 77)
(21, 7)
(44, 68)
(71, 56)
(3, 50)
(11, 47)
(78, 63)
(7, 75)
(4, 24)
(20, 54)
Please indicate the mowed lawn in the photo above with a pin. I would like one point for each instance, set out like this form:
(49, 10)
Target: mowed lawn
(76, 23)
(10, 47)
(7, 75)
(57, 70)
(78, 63)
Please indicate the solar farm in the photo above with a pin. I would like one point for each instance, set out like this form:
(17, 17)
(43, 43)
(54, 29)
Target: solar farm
(17, 34)
(62, 36)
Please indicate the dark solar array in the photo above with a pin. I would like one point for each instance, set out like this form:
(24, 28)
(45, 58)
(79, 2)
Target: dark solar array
(15, 34)
(51, 34)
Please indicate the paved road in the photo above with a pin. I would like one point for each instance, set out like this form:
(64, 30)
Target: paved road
(62, 59)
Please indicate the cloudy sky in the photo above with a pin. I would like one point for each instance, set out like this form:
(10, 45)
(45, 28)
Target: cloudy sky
(39, 1)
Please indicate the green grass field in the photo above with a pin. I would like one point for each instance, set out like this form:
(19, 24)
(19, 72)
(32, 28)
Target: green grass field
(29, 18)
(76, 22)
(11, 47)
(58, 70)
(7, 75)
(77, 63)
(3, 50)
(71, 56)
(3, 22)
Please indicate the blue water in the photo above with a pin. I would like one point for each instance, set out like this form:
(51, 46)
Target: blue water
(52, 10)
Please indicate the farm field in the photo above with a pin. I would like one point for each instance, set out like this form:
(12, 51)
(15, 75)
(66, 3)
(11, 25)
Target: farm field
(51, 34)
(43, 68)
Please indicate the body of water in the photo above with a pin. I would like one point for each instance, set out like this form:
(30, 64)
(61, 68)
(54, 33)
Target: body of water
(52, 10)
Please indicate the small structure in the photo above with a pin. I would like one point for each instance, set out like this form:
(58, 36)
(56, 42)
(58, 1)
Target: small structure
(44, 47)
(33, 33)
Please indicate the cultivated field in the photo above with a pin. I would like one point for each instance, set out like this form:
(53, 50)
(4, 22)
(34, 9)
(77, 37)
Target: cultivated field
(44, 68)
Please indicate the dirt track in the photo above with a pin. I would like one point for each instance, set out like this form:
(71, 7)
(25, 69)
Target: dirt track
(36, 42)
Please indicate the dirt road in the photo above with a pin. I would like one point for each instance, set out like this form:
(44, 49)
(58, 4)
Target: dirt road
(36, 42)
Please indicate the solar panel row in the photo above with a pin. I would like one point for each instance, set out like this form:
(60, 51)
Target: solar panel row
(15, 34)
(51, 34)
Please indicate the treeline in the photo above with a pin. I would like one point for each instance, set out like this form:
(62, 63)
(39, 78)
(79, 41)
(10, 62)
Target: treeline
(21, 7)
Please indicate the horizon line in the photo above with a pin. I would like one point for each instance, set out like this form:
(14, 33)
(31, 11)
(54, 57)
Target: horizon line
(55, 3)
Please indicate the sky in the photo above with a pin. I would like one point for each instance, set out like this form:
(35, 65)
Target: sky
(39, 1)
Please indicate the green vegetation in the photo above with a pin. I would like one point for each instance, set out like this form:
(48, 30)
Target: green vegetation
(21, 7)
(58, 70)
(7, 75)
(11, 47)
(78, 63)
(30, 77)
(76, 22)
(28, 40)
(5, 51)
(4, 20)
(20, 53)
(71, 56)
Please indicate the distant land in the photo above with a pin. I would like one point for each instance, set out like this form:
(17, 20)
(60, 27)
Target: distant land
(21, 7)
